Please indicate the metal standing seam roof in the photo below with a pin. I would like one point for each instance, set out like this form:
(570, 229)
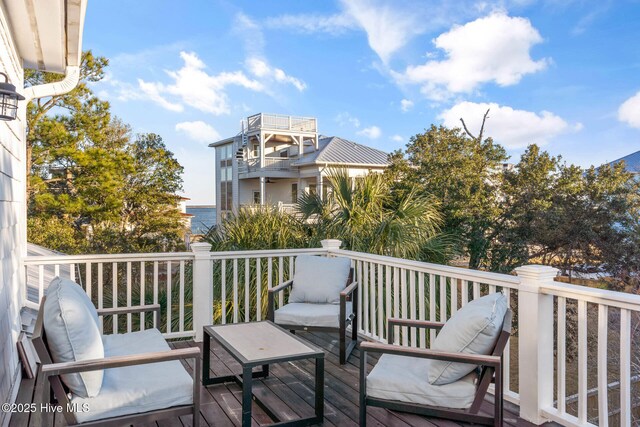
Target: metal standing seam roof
(336, 150)
(631, 162)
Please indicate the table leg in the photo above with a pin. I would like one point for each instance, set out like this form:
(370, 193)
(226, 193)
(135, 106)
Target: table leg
(320, 389)
(247, 377)
(265, 370)
(206, 357)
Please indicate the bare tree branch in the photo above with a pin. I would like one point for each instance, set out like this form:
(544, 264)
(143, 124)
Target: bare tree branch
(484, 119)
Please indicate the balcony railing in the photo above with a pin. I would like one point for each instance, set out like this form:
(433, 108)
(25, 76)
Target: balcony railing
(281, 122)
(282, 164)
(572, 359)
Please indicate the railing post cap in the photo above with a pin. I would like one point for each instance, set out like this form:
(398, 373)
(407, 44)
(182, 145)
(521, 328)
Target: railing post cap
(331, 243)
(537, 272)
(201, 247)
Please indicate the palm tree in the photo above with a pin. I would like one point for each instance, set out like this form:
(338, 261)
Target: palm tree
(365, 216)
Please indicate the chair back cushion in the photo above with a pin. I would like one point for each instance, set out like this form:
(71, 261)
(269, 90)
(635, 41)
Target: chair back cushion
(77, 289)
(319, 279)
(474, 329)
(73, 334)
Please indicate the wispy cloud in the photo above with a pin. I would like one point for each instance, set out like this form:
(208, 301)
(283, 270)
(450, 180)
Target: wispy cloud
(406, 105)
(495, 48)
(629, 111)
(336, 24)
(397, 138)
(198, 131)
(371, 132)
(346, 118)
(509, 127)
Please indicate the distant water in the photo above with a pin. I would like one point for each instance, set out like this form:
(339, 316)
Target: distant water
(204, 217)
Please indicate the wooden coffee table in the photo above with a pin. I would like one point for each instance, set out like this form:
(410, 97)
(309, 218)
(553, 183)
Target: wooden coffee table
(260, 344)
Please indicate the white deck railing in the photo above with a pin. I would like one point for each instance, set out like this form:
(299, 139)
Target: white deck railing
(270, 164)
(282, 122)
(569, 359)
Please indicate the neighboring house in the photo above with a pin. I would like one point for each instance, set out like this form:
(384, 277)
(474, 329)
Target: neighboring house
(44, 35)
(631, 162)
(276, 158)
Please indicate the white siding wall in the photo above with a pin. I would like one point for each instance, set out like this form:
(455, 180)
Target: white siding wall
(12, 223)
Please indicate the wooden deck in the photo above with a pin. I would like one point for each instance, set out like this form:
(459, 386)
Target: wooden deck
(288, 390)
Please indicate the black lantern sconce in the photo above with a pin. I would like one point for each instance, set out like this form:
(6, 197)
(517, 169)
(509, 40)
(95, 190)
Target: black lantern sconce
(8, 99)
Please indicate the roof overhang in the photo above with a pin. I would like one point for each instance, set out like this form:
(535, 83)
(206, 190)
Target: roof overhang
(354, 165)
(222, 142)
(47, 34)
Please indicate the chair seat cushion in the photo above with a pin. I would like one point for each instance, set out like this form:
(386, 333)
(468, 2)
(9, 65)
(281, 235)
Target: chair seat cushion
(73, 335)
(319, 279)
(474, 329)
(140, 388)
(304, 314)
(404, 379)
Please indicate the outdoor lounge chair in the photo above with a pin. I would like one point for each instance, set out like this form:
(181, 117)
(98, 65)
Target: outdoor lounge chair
(323, 297)
(113, 379)
(451, 379)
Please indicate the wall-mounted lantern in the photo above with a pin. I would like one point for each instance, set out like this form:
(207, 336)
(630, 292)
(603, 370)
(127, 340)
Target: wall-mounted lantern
(8, 99)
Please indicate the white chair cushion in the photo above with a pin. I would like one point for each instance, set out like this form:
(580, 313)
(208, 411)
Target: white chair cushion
(303, 314)
(81, 294)
(404, 379)
(319, 279)
(141, 388)
(73, 335)
(473, 329)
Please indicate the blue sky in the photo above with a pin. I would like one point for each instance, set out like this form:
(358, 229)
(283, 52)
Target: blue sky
(562, 74)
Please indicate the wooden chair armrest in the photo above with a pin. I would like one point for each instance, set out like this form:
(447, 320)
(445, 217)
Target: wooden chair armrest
(476, 359)
(349, 289)
(271, 300)
(120, 361)
(281, 287)
(394, 321)
(127, 310)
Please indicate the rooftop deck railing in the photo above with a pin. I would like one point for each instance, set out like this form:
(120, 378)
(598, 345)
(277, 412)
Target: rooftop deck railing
(573, 357)
(281, 122)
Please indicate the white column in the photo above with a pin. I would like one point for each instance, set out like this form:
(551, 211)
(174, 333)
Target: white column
(535, 342)
(319, 186)
(202, 287)
(331, 245)
(262, 190)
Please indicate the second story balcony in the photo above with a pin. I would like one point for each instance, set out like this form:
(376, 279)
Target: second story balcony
(271, 164)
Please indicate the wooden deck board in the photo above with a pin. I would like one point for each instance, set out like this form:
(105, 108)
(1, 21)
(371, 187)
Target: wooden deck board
(289, 390)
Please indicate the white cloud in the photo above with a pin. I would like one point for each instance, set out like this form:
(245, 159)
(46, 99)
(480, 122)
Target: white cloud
(372, 132)
(194, 87)
(345, 118)
(509, 127)
(495, 48)
(261, 69)
(199, 131)
(629, 111)
(313, 23)
(397, 138)
(406, 105)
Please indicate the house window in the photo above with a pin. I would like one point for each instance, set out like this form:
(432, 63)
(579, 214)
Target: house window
(256, 197)
(226, 175)
(313, 189)
(255, 151)
(294, 193)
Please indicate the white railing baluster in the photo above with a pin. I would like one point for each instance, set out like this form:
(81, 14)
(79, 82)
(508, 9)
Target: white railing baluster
(56, 270)
(156, 291)
(87, 281)
(247, 289)
(235, 290)
(380, 306)
(258, 289)
(388, 271)
(143, 297)
(506, 369)
(361, 309)
(432, 306)
(412, 306)
(372, 300)
(72, 272)
(421, 308)
(396, 300)
(465, 292)
(365, 298)
(625, 368)
(280, 280)
(561, 383)
(129, 295)
(603, 363)
(443, 299)
(169, 298)
(100, 295)
(114, 294)
(291, 264)
(41, 282)
(181, 298)
(223, 290)
(403, 302)
(454, 295)
(582, 361)
(476, 290)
